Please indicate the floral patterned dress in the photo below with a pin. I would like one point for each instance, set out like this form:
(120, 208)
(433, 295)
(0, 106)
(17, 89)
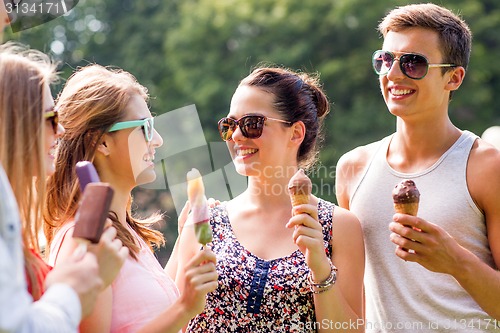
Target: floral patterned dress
(256, 295)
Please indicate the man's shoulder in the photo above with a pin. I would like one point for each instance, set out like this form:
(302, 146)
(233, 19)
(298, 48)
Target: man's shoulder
(350, 168)
(360, 155)
(485, 153)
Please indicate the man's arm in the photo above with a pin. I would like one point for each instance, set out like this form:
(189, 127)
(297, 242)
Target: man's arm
(58, 310)
(350, 169)
(483, 180)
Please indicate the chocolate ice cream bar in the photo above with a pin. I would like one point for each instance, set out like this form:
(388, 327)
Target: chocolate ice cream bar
(93, 211)
(86, 174)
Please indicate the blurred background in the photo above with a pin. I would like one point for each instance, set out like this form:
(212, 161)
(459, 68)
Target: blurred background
(195, 52)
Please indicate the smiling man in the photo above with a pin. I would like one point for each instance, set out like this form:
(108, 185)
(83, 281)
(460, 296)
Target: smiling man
(439, 270)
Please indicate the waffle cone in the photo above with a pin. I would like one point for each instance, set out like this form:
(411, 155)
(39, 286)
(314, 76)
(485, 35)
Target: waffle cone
(299, 199)
(406, 208)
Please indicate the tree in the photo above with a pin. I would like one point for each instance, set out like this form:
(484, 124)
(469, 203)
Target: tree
(195, 52)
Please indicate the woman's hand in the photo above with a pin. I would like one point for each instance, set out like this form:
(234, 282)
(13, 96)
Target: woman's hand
(110, 253)
(308, 235)
(200, 278)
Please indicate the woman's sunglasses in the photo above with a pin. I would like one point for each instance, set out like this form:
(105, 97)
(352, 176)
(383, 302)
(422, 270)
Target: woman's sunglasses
(251, 126)
(52, 116)
(147, 127)
(414, 66)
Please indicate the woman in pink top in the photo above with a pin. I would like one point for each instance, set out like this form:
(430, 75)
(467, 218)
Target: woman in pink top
(108, 122)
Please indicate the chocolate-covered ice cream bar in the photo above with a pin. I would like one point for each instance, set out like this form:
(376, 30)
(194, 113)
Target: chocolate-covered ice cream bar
(93, 212)
(86, 173)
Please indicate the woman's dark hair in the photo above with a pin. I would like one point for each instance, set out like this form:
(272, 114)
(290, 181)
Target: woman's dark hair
(297, 97)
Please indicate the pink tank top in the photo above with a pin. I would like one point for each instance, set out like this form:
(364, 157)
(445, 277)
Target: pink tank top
(141, 291)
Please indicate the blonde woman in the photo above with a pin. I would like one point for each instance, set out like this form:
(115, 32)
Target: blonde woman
(28, 131)
(108, 122)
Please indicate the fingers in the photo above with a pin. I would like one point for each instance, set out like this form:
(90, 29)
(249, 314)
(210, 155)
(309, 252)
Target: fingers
(407, 244)
(204, 256)
(212, 202)
(412, 221)
(78, 253)
(201, 273)
(117, 246)
(108, 240)
(109, 234)
(411, 242)
(311, 210)
(406, 254)
(309, 238)
(108, 223)
(303, 220)
(181, 221)
(123, 252)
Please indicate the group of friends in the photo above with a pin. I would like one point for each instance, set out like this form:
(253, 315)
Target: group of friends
(352, 267)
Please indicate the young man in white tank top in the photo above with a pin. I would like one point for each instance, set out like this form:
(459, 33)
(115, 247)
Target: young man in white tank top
(437, 271)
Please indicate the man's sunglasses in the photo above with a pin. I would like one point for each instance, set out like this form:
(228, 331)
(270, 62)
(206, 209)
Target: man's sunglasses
(251, 126)
(414, 66)
(147, 127)
(52, 116)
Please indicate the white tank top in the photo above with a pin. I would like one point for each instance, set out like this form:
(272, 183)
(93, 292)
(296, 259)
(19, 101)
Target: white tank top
(403, 296)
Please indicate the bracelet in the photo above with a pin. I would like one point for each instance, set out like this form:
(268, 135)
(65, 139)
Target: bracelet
(321, 287)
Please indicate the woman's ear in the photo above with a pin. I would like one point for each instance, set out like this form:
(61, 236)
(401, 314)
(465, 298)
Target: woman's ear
(102, 147)
(298, 133)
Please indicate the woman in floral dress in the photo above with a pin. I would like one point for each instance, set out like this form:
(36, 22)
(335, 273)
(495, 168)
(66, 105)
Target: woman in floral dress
(281, 268)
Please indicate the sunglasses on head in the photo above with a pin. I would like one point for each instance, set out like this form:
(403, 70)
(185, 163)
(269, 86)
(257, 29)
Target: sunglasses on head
(147, 127)
(52, 116)
(414, 66)
(250, 126)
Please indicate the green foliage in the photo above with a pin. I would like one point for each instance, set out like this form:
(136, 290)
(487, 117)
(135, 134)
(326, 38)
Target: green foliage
(196, 52)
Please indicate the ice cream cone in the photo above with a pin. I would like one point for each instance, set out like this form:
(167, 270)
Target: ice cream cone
(299, 199)
(406, 197)
(299, 188)
(406, 208)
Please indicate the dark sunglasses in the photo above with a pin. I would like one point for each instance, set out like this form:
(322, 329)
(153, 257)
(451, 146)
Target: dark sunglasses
(251, 126)
(52, 116)
(414, 66)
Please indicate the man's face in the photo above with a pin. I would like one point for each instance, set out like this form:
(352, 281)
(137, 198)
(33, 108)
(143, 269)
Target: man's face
(406, 97)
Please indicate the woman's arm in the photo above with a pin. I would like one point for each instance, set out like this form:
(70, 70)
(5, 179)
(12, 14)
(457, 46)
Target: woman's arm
(342, 306)
(173, 261)
(100, 318)
(199, 277)
(339, 305)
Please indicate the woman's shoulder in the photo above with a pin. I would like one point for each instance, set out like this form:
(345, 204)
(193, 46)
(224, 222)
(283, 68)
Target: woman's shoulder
(339, 216)
(66, 230)
(346, 222)
(326, 207)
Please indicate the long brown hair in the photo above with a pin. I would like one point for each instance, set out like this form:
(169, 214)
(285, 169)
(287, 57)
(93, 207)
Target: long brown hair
(23, 74)
(93, 99)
